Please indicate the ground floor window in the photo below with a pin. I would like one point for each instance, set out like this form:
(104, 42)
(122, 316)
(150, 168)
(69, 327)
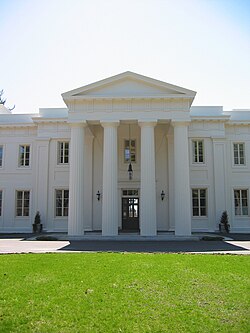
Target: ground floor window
(1, 200)
(22, 203)
(199, 200)
(62, 202)
(1, 156)
(241, 202)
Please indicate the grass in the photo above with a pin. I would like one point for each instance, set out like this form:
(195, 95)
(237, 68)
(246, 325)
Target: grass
(112, 292)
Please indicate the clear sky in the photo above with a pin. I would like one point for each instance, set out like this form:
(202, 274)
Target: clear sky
(51, 46)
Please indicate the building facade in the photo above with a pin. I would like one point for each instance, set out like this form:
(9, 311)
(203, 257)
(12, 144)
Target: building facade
(128, 153)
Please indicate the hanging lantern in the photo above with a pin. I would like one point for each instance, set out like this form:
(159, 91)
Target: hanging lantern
(130, 171)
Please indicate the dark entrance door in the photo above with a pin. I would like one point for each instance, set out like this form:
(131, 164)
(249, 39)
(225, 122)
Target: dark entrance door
(130, 213)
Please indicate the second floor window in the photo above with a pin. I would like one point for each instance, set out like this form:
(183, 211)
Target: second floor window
(24, 155)
(239, 154)
(129, 151)
(198, 151)
(63, 152)
(1, 156)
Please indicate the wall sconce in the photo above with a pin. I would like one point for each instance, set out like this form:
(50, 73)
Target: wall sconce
(98, 195)
(162, 195)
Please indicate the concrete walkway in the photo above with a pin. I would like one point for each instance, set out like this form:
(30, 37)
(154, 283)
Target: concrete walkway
(25, 244)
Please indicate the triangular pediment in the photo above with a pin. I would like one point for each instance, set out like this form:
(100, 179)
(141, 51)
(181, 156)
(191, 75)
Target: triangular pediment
(126, 85)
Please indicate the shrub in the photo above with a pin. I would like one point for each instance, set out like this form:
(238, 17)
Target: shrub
(224, 221)
(37, 219)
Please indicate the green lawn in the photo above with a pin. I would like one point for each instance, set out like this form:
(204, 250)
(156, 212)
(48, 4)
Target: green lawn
(112, 292)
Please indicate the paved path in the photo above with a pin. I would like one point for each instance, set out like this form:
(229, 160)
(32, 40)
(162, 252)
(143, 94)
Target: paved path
(20, 245)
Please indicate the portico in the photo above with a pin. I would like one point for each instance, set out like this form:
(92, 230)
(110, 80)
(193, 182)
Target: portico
(156, 111)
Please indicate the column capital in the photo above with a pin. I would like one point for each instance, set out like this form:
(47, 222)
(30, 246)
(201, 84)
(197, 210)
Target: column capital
(176, 123)
(147, 123)
(110, 123)
(77, 123)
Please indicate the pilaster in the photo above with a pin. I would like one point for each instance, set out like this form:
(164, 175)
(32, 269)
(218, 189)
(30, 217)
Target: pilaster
(219, 177)
(42, 176)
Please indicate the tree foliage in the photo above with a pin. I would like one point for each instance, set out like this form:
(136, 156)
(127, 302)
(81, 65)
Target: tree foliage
(2, 100)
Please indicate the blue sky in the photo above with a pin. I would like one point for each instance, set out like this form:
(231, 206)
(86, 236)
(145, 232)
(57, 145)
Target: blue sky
(51, 46)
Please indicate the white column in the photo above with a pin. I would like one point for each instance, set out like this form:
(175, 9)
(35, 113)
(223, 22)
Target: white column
(76, 180)
(182, 207)
(110, 192)
(148, 186)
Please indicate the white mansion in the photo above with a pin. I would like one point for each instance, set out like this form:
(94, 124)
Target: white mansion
(127, 153)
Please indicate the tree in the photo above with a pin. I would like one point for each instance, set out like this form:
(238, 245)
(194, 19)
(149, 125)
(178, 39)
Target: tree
(224, 221)
(2, 100)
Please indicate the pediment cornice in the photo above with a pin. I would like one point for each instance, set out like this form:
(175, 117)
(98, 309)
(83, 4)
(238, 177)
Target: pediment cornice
(127, 86)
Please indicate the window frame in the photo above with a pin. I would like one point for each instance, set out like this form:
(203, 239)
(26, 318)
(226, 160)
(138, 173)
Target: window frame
(24, 159)
(199, 202)
(238, 154)
(22, 203)
(61, 152)
(241, 215)
(195, 148)
(63, 201)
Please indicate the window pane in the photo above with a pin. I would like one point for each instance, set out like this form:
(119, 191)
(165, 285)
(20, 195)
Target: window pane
(195, 193)
(203, 202)
(19, 212)
(244, 194)
(195, 203)
(1, 195)
(65, 211)
(200, 151)
(1, 156)
(21, 158)
(135, 211)
(203, 211)
(129, 151)
(194, 151)
(26, 211)
(244, 210)
(127, 155)
(58, 211)
(237, 202)
(195, 211)
(19, 195)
